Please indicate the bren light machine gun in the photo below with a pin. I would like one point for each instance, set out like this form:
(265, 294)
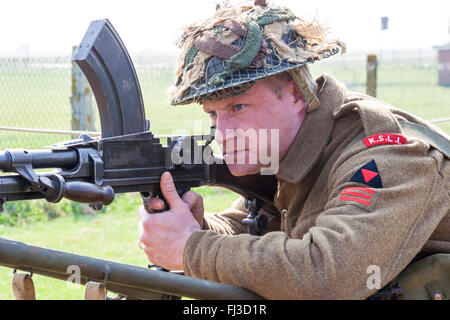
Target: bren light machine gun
(127, 158)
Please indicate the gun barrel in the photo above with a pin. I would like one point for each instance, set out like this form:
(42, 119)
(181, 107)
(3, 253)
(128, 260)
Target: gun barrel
(43, 159)
(119, 277)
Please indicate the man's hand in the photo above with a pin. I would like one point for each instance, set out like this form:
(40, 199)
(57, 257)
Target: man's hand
(163, 236)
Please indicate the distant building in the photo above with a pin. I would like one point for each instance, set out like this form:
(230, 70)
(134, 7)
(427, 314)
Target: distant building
(444, 64)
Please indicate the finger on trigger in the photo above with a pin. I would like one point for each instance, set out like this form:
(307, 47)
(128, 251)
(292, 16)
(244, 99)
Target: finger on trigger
(156, 204)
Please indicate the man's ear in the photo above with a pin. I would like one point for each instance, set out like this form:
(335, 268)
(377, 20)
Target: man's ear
(296, 93)
(297, 96)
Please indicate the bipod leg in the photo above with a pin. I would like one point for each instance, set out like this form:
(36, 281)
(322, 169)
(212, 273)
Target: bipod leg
(23, 286)
(94, 291)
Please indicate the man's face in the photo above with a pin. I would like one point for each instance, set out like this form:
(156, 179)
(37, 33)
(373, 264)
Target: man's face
(256, 129)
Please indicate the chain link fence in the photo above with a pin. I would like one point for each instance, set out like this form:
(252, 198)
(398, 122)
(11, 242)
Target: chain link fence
(407, 80)
(35, 93)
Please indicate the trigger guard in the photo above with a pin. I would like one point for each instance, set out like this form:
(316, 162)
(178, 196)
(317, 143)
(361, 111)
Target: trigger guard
(146, 202)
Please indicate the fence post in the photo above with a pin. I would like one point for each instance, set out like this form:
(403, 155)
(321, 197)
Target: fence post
(371, 84)
(83, 116)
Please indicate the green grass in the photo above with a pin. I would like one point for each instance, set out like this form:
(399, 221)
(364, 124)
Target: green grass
(112, 235)
(39, 98)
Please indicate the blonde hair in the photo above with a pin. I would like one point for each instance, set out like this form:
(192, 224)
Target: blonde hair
(279, 81)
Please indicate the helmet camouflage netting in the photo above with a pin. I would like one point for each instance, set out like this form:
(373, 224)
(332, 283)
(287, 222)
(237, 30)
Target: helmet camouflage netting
(224, 55)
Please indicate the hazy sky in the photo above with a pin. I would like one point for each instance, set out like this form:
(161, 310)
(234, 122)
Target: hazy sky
(51, 27)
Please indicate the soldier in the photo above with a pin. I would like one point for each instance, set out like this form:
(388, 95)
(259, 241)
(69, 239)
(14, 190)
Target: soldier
(363, 187)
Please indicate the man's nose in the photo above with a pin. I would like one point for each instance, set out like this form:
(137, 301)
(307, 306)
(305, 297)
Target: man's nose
(224, 131)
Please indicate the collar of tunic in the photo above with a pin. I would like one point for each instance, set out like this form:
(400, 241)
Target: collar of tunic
(315, 132)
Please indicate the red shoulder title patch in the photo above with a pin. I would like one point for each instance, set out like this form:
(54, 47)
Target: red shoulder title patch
(384, 138)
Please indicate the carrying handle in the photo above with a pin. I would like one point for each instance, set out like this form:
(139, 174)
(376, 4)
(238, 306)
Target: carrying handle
(88, 193)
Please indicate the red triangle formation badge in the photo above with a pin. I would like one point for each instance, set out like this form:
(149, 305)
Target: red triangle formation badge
(368, 175)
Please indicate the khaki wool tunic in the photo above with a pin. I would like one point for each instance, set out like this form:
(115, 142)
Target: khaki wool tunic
(347, 205)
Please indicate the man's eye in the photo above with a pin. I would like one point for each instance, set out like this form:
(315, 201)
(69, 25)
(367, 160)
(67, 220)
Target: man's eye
(239, 107)
(212, 114)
